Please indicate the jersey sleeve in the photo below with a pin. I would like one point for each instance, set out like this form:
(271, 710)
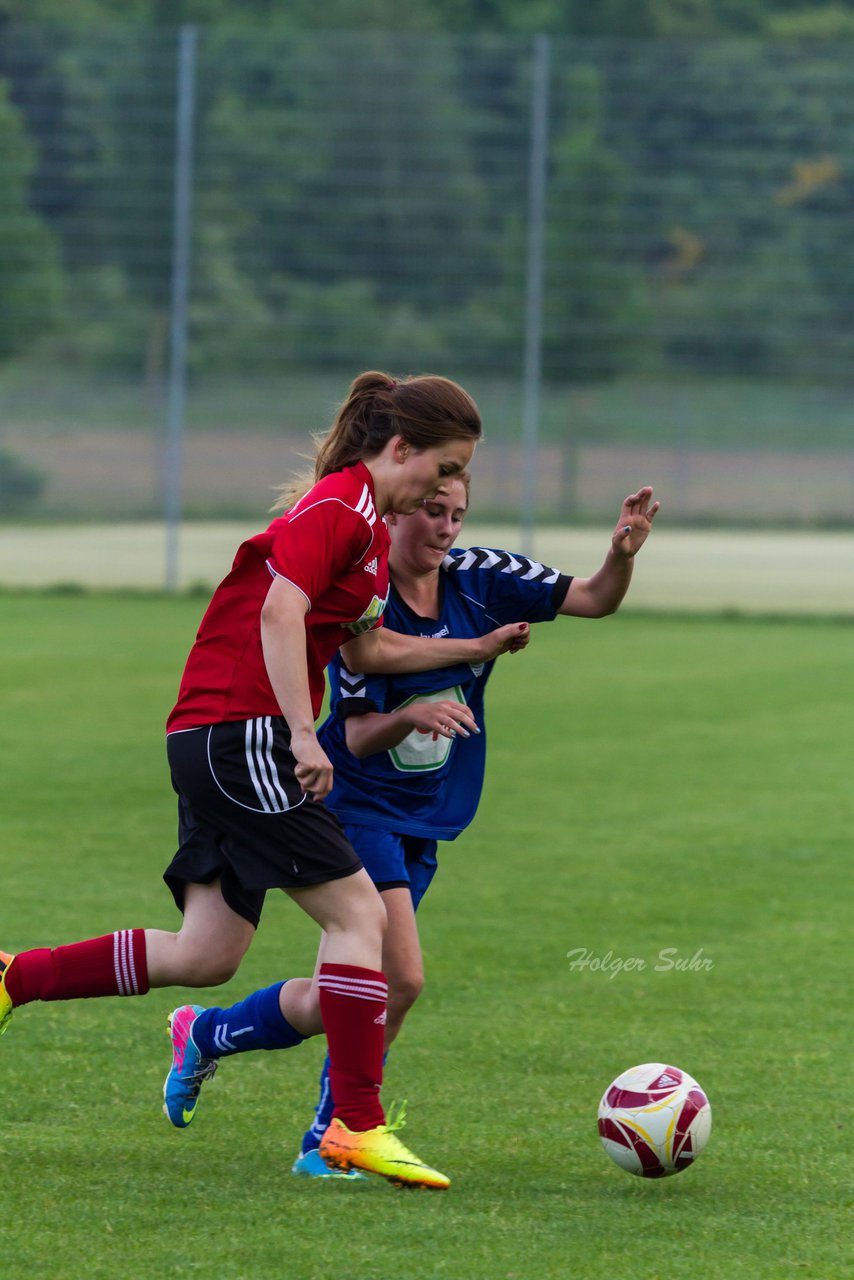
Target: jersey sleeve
(314, 546)
(354, 695)
(510, 587)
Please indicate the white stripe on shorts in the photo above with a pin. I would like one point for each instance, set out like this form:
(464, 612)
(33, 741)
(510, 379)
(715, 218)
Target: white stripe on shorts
(262, 768)
(275, 784)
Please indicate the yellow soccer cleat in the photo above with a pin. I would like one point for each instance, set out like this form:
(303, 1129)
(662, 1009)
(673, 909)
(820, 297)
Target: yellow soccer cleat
(6, 1005)
(379, 1151)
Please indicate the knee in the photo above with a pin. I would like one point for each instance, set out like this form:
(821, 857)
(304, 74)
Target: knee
(214, 971)
(206, 968)
(380, 916)
(371, 910)
(300, 1005)
(405, 990)
(364, 914)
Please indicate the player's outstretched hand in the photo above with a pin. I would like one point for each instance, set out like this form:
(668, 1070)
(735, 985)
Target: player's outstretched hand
(508, 639)
(635, 522)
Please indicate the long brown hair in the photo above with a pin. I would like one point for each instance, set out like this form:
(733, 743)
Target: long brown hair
(426, 410)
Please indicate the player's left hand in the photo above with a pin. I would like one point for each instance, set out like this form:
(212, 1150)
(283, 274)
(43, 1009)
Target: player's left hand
(635, 522)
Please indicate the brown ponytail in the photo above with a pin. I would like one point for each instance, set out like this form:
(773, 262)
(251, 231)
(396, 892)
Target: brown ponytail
(426, 411)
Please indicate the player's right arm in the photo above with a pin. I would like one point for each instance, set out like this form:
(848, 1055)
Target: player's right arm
(284, 645)
(382, 730)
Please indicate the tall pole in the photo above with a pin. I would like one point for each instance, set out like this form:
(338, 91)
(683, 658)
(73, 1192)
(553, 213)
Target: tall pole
(181, 233)
(533, 369)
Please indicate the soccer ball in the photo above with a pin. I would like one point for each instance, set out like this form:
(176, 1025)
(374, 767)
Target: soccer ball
(654, 1120)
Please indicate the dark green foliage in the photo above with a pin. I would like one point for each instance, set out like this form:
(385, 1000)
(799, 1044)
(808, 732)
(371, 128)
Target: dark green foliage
(20, 484)
(30, 280)
(360, 189)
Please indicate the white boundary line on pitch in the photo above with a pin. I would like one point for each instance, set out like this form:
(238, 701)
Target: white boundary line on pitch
(695, 570)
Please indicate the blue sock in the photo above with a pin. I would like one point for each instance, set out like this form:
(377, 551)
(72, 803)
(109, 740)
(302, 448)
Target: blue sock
(322, 1112)
(254, 1023)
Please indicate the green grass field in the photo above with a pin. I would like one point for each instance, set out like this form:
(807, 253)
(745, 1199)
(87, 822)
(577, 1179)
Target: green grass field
(655, 782)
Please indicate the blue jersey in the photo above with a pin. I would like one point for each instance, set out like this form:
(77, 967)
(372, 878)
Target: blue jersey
(430, 786)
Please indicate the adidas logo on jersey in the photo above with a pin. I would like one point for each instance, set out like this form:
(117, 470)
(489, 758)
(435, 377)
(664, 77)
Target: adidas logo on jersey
(372, 567)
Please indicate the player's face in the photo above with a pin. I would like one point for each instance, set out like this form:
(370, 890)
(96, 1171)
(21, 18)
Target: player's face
(421, 472)
(421, 541)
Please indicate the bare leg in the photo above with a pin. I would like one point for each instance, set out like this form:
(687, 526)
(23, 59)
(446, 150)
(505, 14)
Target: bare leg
(403, 967)
(402, 962)
(352, 916)
(207, 949)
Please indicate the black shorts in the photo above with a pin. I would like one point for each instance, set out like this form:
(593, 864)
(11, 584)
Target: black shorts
(243, 818)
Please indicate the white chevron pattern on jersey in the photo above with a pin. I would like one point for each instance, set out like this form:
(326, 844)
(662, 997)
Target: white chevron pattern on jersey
(502, 562)
(352, 686)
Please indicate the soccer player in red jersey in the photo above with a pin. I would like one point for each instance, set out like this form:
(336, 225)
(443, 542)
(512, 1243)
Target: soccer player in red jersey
(248, 768)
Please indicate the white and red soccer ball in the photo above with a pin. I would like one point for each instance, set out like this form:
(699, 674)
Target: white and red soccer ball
(654, 1120)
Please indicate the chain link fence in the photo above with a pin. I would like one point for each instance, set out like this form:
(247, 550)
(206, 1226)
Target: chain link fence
(637, 255)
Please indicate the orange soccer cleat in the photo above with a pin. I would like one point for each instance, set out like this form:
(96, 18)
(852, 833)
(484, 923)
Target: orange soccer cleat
(379, 1151)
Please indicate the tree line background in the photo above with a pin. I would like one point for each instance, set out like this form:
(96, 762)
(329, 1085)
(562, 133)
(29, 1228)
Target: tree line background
(360, 195)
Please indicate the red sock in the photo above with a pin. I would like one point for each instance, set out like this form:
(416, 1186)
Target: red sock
(114, 965)
(353, 1008)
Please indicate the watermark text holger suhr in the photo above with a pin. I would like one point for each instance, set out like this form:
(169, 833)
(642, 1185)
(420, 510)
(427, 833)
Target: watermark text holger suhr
(668, 960)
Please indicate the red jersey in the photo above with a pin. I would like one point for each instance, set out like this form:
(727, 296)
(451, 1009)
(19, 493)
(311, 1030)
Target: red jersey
(333, 547)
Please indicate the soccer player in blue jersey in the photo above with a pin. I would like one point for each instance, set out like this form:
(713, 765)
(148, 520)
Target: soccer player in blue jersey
(409, 765)
(409, 751)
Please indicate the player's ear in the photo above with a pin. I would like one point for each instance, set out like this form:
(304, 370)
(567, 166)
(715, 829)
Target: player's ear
(400, 448)
(391, 517)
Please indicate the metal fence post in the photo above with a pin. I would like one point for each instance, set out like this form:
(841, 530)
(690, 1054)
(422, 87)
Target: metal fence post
(533, 367)
(181, 233)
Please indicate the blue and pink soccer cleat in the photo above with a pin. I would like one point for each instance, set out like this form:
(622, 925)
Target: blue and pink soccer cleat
(189, 1069)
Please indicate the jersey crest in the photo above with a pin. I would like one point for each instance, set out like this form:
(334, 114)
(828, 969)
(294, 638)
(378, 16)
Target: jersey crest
(422, 751)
